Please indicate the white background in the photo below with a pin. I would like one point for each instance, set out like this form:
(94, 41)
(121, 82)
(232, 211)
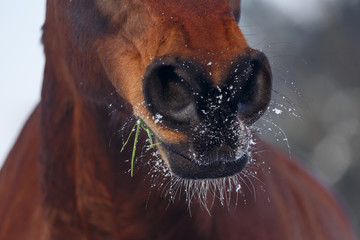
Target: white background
(21, 66)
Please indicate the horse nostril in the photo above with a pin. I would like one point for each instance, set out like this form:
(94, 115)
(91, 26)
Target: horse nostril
(169, 92)
(255, 86)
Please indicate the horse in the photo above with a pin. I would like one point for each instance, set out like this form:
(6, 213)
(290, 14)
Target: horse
(182, 72)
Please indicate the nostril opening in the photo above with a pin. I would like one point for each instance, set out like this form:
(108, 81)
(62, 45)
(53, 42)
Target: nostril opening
(167, 85)
(255, 93)
(167, 93)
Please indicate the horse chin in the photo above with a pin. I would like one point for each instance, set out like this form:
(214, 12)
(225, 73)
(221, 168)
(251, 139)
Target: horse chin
(185, 167)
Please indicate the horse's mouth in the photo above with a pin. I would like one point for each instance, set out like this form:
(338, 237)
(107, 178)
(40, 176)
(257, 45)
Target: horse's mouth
(184, 166)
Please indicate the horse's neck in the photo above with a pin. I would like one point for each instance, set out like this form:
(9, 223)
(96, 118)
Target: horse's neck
(79, 172)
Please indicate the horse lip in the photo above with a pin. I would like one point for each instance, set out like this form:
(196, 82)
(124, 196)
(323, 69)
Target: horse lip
(172, 149)
(183, 167)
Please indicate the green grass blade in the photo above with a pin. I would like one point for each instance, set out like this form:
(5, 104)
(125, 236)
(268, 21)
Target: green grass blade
(139, 124)
(127, 140)
(134, 148)
(149, 132)
(155, 144)
(150, 138)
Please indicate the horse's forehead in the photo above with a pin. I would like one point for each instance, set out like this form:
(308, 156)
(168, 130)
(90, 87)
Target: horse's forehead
(204, 23)
(195, 14)
(189, 8)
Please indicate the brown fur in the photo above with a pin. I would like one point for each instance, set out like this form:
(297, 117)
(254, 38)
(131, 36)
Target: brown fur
(61, 180)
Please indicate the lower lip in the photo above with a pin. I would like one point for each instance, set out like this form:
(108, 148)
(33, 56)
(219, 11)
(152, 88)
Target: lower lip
(183, 167)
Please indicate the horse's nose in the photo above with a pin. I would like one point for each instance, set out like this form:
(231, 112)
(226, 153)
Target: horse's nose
(179, 92)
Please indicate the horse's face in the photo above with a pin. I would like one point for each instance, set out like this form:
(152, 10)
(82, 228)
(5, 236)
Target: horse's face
(186, 69)
(188, 72)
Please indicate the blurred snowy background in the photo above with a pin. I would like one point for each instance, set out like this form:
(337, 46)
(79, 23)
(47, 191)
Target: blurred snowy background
(314, 50)
(313, 47)
(21, 66)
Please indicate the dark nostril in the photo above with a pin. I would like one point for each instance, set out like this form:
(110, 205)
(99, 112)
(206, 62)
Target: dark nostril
(168, 92)
(255, 86)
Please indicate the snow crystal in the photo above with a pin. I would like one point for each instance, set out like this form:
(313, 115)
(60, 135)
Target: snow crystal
(157, 118)
(277, 111)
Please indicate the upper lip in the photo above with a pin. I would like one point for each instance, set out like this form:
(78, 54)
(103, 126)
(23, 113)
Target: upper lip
(172, 149)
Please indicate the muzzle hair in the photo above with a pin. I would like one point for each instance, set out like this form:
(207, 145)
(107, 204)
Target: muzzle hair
(229, 191)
